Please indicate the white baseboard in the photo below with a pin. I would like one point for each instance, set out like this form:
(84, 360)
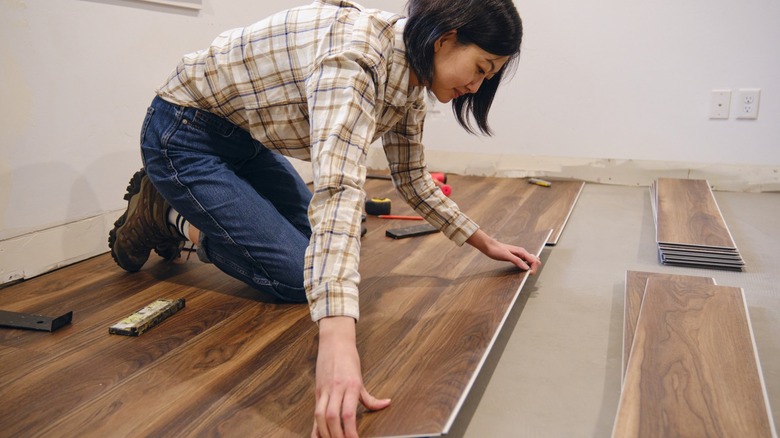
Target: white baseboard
(32, 254)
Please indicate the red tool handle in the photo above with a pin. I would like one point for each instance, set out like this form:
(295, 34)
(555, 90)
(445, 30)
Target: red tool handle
(445, 188)
(439, 176)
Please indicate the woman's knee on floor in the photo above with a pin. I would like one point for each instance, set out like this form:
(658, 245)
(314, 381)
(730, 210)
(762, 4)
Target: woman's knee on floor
(279, 273)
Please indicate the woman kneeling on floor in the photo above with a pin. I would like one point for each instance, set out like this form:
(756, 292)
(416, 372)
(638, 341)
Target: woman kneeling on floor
(318, 83)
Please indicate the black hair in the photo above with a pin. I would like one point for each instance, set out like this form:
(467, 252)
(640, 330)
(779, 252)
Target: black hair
(493, 25)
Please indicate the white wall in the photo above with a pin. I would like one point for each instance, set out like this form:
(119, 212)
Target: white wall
(77, 77)
(632, 80)
(612, 80)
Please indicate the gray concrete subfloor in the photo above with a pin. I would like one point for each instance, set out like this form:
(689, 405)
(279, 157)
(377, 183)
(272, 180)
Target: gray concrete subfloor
(556, 372)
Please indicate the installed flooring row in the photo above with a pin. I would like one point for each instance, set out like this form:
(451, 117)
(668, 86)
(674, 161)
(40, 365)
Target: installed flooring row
(236, 363)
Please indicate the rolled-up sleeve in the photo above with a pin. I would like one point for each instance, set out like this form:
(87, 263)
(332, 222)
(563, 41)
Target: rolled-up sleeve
(341, 98)
(405, 156)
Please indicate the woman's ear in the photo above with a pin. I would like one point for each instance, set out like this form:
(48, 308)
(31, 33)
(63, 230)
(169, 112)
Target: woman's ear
(448, 37)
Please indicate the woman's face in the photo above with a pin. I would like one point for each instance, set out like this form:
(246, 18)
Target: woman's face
(459, 69)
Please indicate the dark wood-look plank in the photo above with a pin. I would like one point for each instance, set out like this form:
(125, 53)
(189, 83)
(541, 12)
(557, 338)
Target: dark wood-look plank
(636, 281)
(693, 369)
(453, 336)
(696, 261)
(236, 363)
(554, 205)
(699, 251)
(81, 361)
(448, 272)
(186, 384)
(541, 208)
(689, 215)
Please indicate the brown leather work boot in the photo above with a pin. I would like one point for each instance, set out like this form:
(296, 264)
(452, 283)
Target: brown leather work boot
(143, 227)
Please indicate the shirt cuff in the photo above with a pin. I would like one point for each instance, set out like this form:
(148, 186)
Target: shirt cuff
(460, 231)
(330, 300)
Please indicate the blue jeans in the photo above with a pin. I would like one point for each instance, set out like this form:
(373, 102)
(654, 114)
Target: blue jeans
(249, 203)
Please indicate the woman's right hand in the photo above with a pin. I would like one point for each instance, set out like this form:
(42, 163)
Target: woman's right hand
(339, 381)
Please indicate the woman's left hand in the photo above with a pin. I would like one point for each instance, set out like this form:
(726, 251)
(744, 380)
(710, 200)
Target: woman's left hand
(501, 251)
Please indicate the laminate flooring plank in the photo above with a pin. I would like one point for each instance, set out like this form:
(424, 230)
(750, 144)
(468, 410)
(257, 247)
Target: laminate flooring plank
(702, 259)
(83, 272)
(14, 362)
(636, 281)
(553, 205)
(85, 362)
(701, 263)
(497, 210)
(443, 354)
(186, 383)
(498, 219)
(63, 384)
(276, 400)
(425, 281)
(541, 208)
(698, 248)
(715, 256)
(77, 288)
(110, 298)
(688, 214)
(703, 252)
(494, 203)
(717, 266)
(693, 369)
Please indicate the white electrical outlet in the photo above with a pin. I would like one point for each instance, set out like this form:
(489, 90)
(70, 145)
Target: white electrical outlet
(720, 104)
(747, 103)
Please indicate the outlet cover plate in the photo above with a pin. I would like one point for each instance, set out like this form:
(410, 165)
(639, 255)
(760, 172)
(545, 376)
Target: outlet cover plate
(747, 103)
(720, 104)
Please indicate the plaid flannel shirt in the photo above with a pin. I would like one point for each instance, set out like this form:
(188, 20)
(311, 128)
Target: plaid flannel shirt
(321, 83)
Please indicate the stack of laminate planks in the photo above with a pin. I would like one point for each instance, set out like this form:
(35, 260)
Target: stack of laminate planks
(690, 230)
(690, 364)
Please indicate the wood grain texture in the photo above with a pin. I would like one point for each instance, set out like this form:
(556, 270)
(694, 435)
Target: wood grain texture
(693, 370)
(554, 205)
(689, 215)
(234, 362)
(636, 281)
(690, 229)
